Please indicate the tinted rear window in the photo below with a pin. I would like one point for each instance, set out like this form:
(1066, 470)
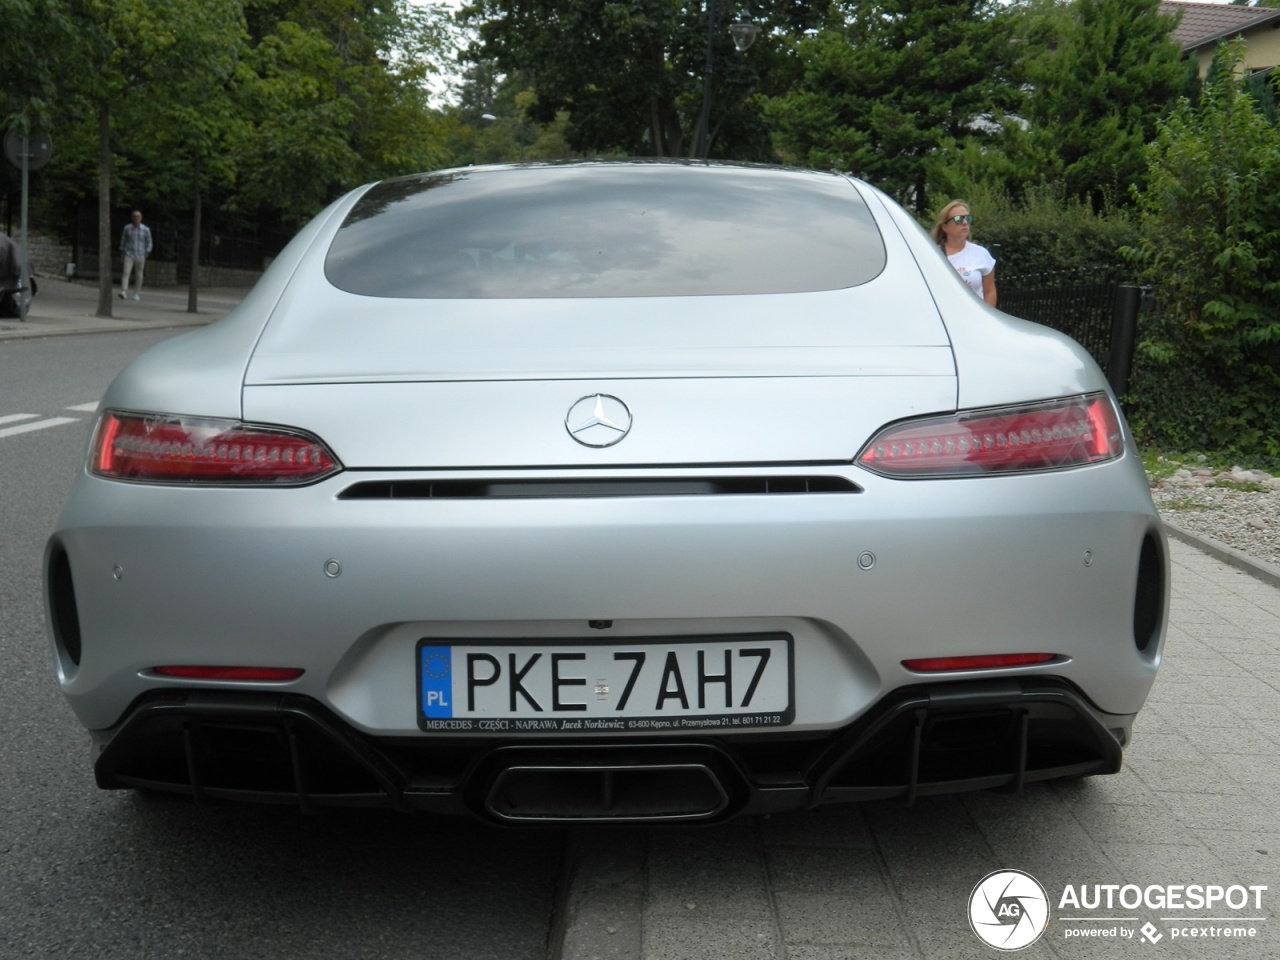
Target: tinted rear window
(606, 230)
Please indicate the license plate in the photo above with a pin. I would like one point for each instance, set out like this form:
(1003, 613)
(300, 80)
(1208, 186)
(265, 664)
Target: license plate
(712, 684)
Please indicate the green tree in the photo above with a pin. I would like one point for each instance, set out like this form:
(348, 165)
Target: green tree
(94, 70)
(630, 72)
(1102, 74)
(889, 81)
(334, 94)
(34, 39)
(491, 121)
(1004, 161)
(123, 56)
(1211, 242)
(264, 128)
(184, 128)
(34, 42)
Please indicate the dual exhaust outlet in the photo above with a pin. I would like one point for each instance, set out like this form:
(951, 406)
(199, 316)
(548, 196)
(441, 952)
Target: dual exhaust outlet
(678, 783)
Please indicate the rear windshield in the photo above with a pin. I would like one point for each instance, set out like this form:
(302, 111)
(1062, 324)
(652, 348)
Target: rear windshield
(606, 230)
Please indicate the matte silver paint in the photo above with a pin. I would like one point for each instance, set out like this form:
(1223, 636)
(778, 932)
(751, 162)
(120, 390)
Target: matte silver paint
(463, 390)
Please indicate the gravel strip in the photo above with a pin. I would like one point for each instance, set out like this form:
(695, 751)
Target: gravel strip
(1240, 508)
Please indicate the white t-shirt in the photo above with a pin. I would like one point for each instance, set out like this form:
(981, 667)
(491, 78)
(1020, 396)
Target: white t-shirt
(973, 262)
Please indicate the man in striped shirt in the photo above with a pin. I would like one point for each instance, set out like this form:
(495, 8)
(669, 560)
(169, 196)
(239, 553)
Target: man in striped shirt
(135, 244)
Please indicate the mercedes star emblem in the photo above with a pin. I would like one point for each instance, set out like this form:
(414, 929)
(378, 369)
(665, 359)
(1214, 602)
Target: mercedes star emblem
(598, 420)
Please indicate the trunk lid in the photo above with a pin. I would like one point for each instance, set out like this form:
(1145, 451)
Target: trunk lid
(781, 378)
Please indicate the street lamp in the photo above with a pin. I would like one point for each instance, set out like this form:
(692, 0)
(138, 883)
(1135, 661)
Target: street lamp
(744, 34)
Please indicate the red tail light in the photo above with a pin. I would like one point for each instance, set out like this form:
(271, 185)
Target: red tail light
(1038, 436)
(928, 664)
(176, 449)
(258, 674)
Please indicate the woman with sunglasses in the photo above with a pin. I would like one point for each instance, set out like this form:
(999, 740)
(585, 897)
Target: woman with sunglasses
(972, 261)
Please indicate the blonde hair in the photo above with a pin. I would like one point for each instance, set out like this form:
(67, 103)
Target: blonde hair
(943, 216)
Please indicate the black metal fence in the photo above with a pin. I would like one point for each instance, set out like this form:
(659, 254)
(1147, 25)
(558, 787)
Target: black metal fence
(1095, 308)
(232, 251)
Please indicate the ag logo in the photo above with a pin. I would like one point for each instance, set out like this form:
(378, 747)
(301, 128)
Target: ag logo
(1008, 910)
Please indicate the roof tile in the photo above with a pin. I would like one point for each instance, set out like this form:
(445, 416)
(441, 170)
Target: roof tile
(1205, 23)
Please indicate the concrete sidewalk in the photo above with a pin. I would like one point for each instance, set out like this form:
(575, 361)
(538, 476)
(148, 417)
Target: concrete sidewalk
(1196, 803)
(63, 307)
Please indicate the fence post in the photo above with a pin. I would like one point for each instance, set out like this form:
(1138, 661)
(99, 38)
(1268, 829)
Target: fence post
(1124, 334)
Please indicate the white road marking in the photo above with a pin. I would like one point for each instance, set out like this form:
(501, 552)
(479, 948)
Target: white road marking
(85, 407)
(14, 417)
(38, 425)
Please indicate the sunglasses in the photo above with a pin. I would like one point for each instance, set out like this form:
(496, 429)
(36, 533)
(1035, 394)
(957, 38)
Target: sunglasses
(962, 218)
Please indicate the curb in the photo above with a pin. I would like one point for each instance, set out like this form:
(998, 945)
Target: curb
(1266, 572)
(600, 915)
(122, 325)
(66, 308)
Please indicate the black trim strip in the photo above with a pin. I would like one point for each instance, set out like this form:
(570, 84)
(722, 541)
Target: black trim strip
(503, 489)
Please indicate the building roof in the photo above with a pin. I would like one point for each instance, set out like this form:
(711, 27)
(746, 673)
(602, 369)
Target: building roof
(1207, 23)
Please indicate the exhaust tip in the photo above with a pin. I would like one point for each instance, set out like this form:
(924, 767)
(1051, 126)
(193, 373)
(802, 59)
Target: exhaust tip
(606, 793)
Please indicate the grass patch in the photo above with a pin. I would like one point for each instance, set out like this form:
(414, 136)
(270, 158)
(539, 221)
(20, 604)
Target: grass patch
(1184, 505)
(1162, 464)
(1170, 460)
(1158, 466)
(1247, 486)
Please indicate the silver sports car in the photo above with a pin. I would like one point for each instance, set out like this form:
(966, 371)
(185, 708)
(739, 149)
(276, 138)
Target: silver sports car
(608, 491)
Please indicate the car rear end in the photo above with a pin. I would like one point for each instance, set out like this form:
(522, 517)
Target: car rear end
(609, 493)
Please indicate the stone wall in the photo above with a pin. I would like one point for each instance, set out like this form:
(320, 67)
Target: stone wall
(164, 273)
(51, 259)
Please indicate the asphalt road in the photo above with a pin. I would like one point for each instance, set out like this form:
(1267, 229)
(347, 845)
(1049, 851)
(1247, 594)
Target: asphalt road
(86, 873)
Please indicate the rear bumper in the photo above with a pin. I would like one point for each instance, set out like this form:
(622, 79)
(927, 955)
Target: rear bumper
(923, 740)
(345, 589)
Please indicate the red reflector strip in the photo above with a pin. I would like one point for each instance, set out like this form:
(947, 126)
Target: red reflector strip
(196, 450)
(1041, 436)
(258, 674)
(978, 663)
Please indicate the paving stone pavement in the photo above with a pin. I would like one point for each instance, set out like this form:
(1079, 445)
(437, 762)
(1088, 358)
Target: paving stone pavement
(1198, 802)
(65, 308)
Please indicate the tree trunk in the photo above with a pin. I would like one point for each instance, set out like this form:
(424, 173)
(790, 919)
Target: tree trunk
(672, 130)
(655, 129)
(193, 283)
(105, 248)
